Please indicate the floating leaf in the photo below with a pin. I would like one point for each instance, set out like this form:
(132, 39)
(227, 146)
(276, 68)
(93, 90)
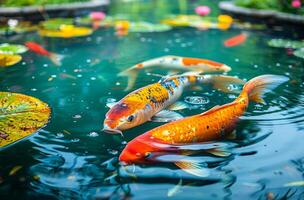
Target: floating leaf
(55, 23)
(15, 170)
(281, 43)
(148, 27)
(66, 31)
(296, 183)
(299, 53)
(12, 48)
(7, 60)
(20, 116)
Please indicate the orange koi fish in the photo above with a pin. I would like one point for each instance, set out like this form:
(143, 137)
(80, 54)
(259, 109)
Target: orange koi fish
(211, 125)
(37, 48)
(173, 63)
(148, 103)
(236, 40)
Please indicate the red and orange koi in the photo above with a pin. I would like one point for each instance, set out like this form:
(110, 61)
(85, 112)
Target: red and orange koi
(236, 40)
(148, 103)
(211, 125)
(37, 48)
(174, 63)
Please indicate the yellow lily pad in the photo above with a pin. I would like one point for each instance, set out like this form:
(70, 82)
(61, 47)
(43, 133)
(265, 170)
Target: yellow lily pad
(20, 116)
(7, 60)
(66, 31)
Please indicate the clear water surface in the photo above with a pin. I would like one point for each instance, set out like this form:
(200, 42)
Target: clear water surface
(72, 159)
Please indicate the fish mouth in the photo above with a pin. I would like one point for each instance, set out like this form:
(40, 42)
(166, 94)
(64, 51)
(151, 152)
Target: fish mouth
(112, 131)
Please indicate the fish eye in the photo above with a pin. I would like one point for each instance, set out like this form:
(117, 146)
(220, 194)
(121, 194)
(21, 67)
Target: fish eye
(130, 118)
(148, 154)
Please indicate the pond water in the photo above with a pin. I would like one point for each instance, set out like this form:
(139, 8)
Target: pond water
(71, 158)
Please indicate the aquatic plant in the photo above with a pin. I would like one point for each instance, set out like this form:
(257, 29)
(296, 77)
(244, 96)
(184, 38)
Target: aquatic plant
(11, 3)
(289, 6)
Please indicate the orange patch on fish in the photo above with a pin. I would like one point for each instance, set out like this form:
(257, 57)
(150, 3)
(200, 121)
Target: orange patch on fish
(197, 61)
(140, 65)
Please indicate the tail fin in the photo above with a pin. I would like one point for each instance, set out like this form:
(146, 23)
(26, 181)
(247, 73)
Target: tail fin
(56, 58)
(132, 74)
(258, 86)
(222, 82)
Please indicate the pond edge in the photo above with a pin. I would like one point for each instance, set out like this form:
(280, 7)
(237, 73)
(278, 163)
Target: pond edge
(230, 7)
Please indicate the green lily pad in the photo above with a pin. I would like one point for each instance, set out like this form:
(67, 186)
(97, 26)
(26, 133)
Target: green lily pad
(55, 23)
(20, 116)
(281, 43)
(148, 27)
(299, 53)
(12, 48)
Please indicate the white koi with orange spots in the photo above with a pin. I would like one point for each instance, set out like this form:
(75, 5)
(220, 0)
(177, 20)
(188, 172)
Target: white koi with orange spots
(174, 63)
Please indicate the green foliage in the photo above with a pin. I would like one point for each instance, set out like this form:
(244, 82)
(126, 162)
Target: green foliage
(12, 3)
(279, 5)
(259, 4)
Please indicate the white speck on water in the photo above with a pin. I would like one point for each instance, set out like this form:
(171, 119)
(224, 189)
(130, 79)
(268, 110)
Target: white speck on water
(93, 78)
(93, 134)
(45, 65)
(33, 89)
(142, 39)
(289, 66)
(166, 50)
(59, 135)
(23, 63)
(197, 100)
(77, 116)
(124, 142)
(53, 76)
(278, 64)
(117, 83)
(33, 77)
(112, 151)
(79, 75)
(236, 60)
(111, 100)
(88, 61)
(75, 140)
(255, 66)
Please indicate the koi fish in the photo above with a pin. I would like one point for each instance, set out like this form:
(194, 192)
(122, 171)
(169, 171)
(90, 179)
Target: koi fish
(174, 63)
(211, 125)
(37, 48)
(236, 40)
(148, 103)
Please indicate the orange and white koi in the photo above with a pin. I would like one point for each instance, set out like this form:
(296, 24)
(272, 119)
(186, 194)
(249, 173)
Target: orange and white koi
(211, 125)
(148, 103)
(174, 63)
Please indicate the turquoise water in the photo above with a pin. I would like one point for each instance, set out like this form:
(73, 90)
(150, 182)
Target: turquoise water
(72, 159)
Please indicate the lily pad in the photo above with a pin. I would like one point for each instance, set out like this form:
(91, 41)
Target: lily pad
(67, 31)
(55, 23)
(281, 43)
(299, 53)
(20, 116)
(148, 27)
(7, 60)
(12, 48)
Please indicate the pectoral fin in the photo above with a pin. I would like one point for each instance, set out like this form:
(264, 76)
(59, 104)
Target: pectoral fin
(219, 152)
(179, 105)
(193, 168)
(166, 116)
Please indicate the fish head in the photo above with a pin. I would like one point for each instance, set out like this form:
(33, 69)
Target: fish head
(225, 68)
(125, 115)
(138, 151)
